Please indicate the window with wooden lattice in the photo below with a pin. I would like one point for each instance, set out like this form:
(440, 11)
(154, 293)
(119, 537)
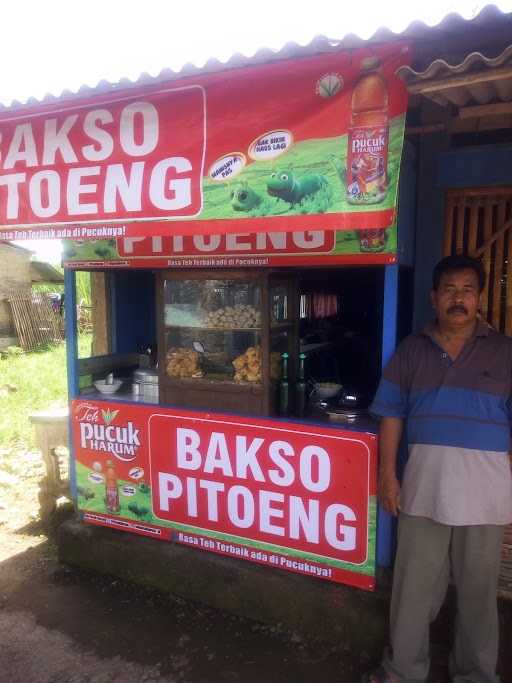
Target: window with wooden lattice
(479, 223)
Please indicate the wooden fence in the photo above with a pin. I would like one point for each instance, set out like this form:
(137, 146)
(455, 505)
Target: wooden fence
(37, 324)
(478, 223)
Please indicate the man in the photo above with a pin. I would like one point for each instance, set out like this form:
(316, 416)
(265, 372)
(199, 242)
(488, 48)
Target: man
(450, 387)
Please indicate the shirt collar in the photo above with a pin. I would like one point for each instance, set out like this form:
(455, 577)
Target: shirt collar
(481, 330)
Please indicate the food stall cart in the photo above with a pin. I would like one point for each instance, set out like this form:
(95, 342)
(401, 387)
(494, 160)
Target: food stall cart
(249, 254)
(172, 481)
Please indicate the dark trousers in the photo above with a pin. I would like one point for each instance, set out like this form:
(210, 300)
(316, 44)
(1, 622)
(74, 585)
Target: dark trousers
(429, 554)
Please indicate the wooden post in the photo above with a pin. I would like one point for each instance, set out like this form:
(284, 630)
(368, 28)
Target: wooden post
(448, 225)
(473, 226)
(498, 268)
(488, 208)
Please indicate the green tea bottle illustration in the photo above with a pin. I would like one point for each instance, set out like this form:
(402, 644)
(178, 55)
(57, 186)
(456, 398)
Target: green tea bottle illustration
(284, 387)
(111, 490)
(368, 137)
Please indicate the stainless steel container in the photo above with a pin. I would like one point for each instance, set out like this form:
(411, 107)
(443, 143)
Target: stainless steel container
(147, 380)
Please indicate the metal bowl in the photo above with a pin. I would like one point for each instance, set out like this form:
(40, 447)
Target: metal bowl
(104, 388)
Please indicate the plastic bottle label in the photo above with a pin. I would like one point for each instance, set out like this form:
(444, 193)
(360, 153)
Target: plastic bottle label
(112, 499)
(367, 164)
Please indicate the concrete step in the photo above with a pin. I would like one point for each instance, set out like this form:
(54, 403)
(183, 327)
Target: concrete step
(308, 605)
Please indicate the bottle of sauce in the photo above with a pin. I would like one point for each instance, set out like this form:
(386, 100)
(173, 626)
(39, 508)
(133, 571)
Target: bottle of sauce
(111, 490)
(284, 387)
(368, 137)
(300, 388)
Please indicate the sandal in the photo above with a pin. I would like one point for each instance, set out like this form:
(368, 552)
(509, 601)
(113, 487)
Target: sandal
(378, 675)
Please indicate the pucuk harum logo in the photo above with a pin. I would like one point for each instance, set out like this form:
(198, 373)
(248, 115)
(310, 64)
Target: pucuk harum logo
(120, 441)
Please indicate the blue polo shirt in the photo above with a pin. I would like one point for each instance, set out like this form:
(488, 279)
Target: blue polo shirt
(458, 418)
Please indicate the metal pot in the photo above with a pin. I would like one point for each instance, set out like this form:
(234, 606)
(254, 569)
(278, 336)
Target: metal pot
(146, 379)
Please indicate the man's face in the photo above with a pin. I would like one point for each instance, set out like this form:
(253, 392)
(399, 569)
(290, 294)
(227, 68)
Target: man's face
(457, 298)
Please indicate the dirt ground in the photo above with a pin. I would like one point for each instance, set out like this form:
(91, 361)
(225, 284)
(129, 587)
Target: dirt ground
(59, 625)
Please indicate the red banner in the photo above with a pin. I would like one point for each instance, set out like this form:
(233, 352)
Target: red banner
(307, 144)
(294, 496)
(235, 250)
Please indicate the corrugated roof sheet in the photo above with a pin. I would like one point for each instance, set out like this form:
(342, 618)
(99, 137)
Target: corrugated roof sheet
(453, 26)
(439, 68)
(477, 79)
(16, 246)
(40, 271)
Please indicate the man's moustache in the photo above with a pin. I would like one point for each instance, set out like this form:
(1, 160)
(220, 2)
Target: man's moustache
(457, 308)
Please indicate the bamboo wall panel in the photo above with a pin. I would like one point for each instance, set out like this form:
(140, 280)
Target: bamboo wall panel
(37, 324)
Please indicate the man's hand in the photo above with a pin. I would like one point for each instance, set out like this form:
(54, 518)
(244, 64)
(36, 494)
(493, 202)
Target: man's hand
(390, 433)
(389, 493)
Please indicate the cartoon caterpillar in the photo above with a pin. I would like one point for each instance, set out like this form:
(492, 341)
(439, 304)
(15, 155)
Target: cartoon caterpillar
(287, 186)
(244, 198)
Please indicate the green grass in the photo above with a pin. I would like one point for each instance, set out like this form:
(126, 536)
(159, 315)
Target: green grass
(39, 382)
(84, 344)
(83, 287)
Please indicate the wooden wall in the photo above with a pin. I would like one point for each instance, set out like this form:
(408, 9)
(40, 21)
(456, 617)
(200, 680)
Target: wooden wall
(429, 213)
(445, 176)
(100, 314)
(441, 168)
(478, 222)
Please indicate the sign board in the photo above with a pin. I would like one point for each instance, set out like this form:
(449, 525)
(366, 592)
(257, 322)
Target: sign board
(307, 144)
(294, 496)
(235, 250)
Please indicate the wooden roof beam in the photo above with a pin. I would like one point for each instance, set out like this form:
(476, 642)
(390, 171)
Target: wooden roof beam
(485, 110)
(435, 85)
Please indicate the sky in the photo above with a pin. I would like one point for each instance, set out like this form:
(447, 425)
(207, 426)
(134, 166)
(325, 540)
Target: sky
(52, 45)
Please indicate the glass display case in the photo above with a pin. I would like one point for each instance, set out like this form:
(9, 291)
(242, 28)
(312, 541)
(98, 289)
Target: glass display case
(222, 337)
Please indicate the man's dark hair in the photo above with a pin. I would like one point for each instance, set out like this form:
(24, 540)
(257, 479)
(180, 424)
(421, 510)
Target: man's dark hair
(459, 262)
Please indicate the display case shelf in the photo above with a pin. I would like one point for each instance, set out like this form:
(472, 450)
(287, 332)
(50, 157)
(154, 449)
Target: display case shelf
(213, 329)
(240, 366)
(212, 381)
(282, 325)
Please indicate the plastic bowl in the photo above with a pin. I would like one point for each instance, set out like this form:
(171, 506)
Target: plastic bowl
(104, 388)
(327, 389)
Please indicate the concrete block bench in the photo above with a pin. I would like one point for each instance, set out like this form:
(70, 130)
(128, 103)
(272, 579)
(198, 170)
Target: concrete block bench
(51, 431)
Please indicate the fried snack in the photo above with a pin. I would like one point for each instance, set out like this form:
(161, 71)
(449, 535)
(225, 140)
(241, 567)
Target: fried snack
(182, 362)
(239, 362)
(248, 365)
(252, 353)
(241, 316)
